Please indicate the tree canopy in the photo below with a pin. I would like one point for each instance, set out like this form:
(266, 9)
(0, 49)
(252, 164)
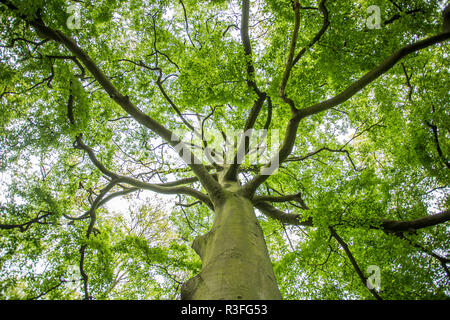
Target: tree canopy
(353, 96)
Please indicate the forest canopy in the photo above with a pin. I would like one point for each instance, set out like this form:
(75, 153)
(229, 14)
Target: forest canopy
(127, 126)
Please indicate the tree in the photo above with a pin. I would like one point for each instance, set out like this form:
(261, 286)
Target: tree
(190, 98)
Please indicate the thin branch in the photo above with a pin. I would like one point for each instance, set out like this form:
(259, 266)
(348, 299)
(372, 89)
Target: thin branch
(358, 134)
(117, 194)
(102, 202)
(79, 144)
(443, 261)
(269, 113)
(161, 88)
(173, 105)
(36, 44)
(61, 282)
(156, 49)
(74, 59)
(291, 129)
(396, 5)
(274, 163)
(182, 206)
(244, 146)
(398, 16)
(350, 256)
(159, 83)
(287, 236)
(247, 46)
(236, 27)
(186, 22)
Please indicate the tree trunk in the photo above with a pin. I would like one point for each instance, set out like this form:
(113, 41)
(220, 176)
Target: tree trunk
(236, 262)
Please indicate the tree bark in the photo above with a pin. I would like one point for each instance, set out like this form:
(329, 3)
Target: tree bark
(236, 262)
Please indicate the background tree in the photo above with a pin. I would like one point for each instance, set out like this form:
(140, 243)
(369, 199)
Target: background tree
(94, 97)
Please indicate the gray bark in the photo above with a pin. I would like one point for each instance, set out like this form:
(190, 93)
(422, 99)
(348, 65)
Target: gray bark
(236, 262)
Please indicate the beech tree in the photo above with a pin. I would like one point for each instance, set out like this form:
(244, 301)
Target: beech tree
(303, 146)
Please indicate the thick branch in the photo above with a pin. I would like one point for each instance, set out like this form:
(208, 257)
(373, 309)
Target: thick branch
(412, 225)
(25, 226)
(93, 219)
(244, 145)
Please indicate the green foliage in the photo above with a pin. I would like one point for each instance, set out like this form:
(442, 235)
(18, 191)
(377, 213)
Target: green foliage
(396, 133)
